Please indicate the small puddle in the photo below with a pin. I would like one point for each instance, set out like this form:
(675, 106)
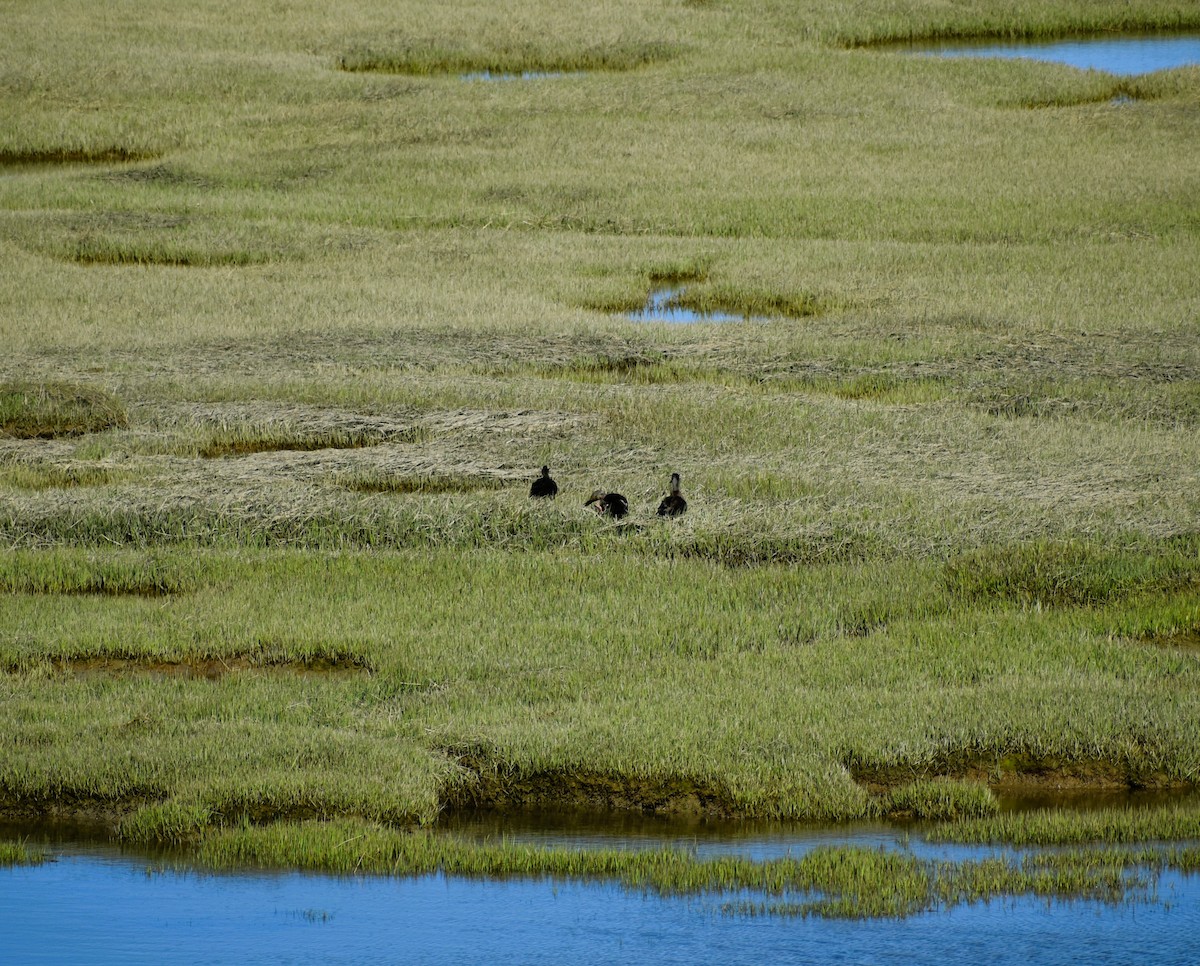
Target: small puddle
(1124, 55)
(664, 305)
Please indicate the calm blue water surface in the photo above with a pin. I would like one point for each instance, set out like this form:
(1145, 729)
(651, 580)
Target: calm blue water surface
(97, 904)
(1116, 55)
(659, 308)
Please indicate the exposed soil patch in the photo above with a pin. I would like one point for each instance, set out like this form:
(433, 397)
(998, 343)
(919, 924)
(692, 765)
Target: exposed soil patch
(1187, 640)
(495, 787)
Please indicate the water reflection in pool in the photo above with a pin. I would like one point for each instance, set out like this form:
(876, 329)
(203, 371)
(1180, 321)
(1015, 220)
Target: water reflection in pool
(664, 305)
(1125, 55)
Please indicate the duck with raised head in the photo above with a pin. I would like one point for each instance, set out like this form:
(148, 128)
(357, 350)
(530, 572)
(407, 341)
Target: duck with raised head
(673, 503)
(544, 485)
(608, 504)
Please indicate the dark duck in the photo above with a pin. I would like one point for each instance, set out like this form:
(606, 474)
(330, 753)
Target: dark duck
(544, 485)
(608, 504)
(673, 503)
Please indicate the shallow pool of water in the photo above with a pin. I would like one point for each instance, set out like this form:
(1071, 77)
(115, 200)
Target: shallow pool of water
(1125, 55)
(662, 305)
(99, 904)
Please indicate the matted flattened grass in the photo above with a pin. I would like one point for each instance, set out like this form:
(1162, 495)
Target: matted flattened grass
(46, 475)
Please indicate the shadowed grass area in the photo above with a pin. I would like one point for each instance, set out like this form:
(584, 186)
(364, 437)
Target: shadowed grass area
(21, 157)
(423, 57)
(47, 410)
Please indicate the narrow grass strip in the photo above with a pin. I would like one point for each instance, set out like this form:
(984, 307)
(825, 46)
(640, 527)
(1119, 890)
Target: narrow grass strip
(829, 881)
(1109, 826)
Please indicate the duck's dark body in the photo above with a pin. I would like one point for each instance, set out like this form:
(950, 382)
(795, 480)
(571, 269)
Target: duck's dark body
(673, 504)
(543, 485)
(609, 504)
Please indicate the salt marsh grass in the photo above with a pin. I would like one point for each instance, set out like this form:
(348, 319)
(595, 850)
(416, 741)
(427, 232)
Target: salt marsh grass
(292, 314)
(1167, 823)
(18, 853)
(829, 881)
(32, 410)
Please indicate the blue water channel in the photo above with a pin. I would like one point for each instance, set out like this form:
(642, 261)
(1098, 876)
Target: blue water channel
(96, 903)
(1124, 55)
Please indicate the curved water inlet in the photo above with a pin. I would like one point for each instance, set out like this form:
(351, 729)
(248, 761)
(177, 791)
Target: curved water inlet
(1125, 55)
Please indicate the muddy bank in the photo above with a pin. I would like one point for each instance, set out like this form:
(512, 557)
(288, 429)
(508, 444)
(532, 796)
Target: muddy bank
(486, 786)
(491, 787)
(1019, 772)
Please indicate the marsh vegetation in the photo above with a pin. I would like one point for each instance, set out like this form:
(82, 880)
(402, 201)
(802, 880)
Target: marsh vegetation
(292, 316)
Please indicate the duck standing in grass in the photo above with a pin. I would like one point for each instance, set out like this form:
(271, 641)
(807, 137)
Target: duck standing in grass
(608, 504)
(673, 503)
(544, 485)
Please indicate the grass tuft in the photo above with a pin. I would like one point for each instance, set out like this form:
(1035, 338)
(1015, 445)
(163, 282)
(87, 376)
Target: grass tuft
(19, 853)
(942, 800)
(52, 409)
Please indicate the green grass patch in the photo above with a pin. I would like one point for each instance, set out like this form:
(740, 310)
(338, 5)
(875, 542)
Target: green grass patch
(111, 573)
(884, 387)
(1068, 574)
(940, 800)
(1058, 827)
(19, 853)
(108, 251)
(376, 481)
(51, 409)
(43, 475)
